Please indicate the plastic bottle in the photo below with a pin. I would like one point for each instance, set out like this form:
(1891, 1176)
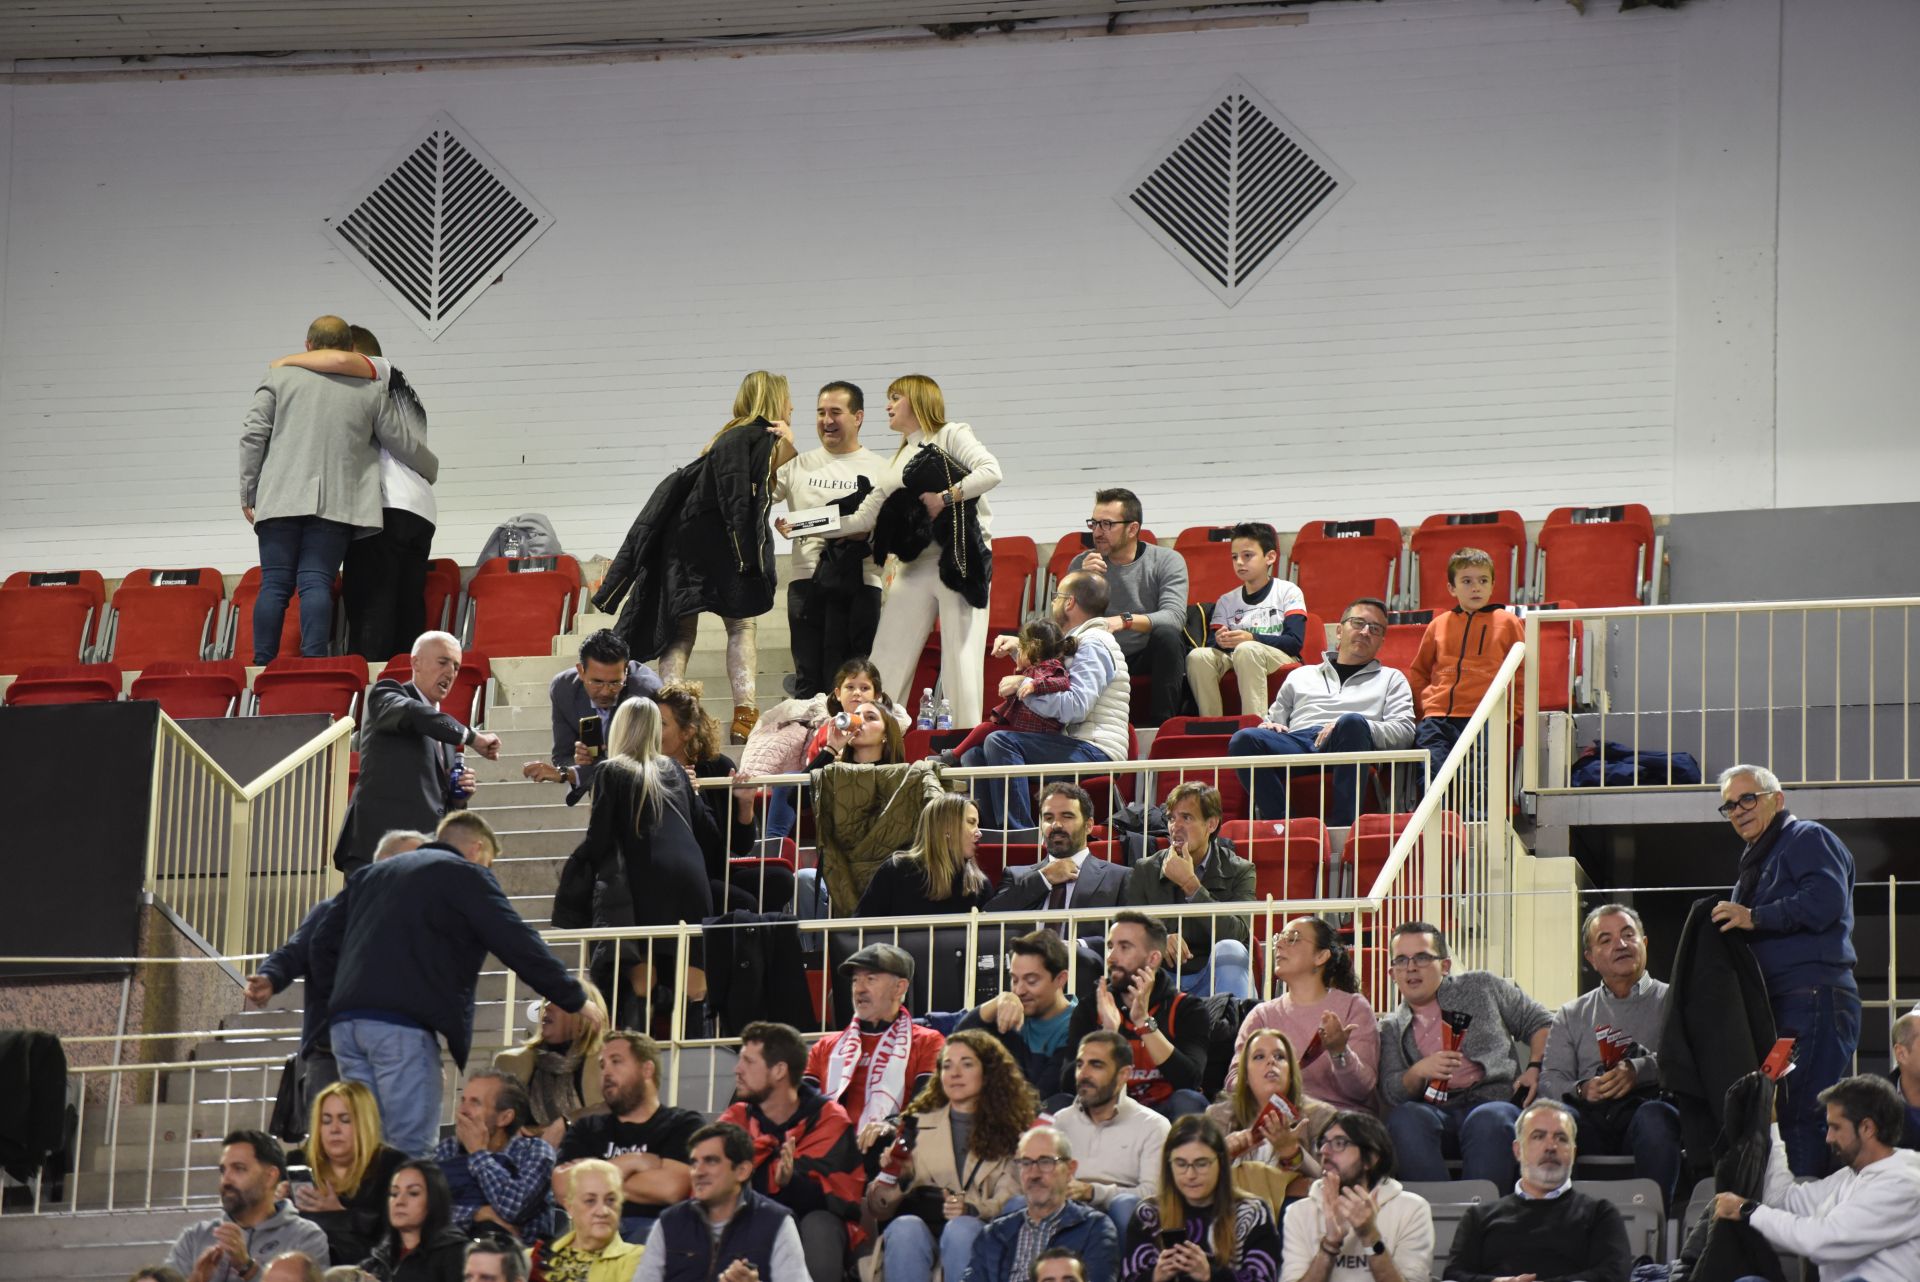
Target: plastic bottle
(453, 779)
(925, 720)
(945, 720)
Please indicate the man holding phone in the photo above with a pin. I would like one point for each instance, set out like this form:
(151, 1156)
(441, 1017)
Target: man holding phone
(1165, 1028)
(584, 699)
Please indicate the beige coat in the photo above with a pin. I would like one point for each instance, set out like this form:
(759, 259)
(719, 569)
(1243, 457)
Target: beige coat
(986, 1185)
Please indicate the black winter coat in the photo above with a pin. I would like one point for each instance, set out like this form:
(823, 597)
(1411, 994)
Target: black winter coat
(755, 970)
(1725, 1250)
(701, 545)
(903, 528)
(440, 1258)
(1718, 1028)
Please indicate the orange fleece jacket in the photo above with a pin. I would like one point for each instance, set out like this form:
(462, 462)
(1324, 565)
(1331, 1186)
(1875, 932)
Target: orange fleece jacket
(1459, 655)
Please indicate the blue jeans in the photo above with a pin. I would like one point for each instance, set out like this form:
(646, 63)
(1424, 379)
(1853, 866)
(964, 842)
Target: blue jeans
(1351, 733)
(1228, 970)
(1120, 1210)
(1825, 1022)
(1005, 803)
(1482, 1134)
(1179, 1104)
(1436, 736)
(400, 1064)
(303, 551)
(909, 1245)
(1650, 1135)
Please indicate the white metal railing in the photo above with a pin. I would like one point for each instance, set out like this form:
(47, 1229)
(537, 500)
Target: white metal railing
(1819, 692)
(240, 864)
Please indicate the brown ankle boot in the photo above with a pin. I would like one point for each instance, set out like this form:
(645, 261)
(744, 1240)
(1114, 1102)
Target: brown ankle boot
(745, 717)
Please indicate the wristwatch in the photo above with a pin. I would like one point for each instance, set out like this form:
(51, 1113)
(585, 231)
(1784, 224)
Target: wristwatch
(1149, 1025)
(1747, 1208)
(1126, 617)
(1379, 1246)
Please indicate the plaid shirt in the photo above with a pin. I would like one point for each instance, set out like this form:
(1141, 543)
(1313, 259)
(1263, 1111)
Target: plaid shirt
(1049, 676)
(516, 1182)
(1032, 1241)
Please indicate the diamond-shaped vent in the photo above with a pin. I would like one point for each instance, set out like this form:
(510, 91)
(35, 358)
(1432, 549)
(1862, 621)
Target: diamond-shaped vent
(1238, 188)
(439, 225)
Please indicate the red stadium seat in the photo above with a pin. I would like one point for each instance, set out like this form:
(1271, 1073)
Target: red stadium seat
(1372, 841)
(1107, 850)
(1559, 659)
(1015, 562)
(201, 688)
(295, 685)
(1335, 562)
(1600, 556)
(922, 744)
(519, 614)
(245, 593)
(1289, 856)
(1312, 649)
(443, 594)
(1502, 535)
(1207, 550)
(166, 614)
(996, 857)
(1209, 726)
(1401, 647)
(49, 617)
(561, 564)
(1178, 747)
(467, 701)
(65, 683)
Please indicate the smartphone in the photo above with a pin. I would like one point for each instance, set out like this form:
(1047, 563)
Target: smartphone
(1170, 1238)
(590, 728)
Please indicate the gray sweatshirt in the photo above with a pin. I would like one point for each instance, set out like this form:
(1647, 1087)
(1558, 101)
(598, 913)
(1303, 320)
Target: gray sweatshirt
(279, 1233)
(1573, 1052)
(1313, 696)
(1154, 583)
(1502, 1013)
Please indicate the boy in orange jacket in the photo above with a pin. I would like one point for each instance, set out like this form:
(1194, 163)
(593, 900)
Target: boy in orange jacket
(1459, 655)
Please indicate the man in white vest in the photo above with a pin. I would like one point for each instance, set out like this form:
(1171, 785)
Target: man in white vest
(1092, 710)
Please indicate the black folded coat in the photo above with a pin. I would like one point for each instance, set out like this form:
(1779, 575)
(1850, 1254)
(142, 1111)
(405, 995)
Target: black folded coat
(904, 529)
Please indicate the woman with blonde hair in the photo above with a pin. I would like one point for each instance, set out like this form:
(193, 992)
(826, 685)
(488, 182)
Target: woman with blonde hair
(1267, 1115)
(560, 1067)
(931, 511)
(593, 1249)
(350, 1169)
(704, 545)
(938, 875)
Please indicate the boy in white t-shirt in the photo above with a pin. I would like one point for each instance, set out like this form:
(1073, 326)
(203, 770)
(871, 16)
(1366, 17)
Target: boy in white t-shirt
(833, 587)
(1255, 629)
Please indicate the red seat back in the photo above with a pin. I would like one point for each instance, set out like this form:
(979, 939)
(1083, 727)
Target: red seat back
(45, 625)
(463, 703)
(323, 685)
(158, 621)
(922, 744)
(1072, 544)
(561, 564)
(519, 614)
(1336, 562)
(65, 683)
(1371, 842)
(1401, 647)
(1501, 535)
(1287, 855)
(1559, 659)
(1015, 561)
(1177, 747)
(245, 594)
(1208, 552)
(1597, 555)
(443, 594)
(1210, 727)
(202, 688)
(996, 857)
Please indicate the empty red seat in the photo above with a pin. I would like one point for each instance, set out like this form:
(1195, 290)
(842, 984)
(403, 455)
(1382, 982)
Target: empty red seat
(1599, 556)
(443, 594)
(1015, 562)
(292, 685)
(1211, 726)
(165, 614)
(1401, 647)
(1180, 747)
(245, 594)
(1371, 842)
(922, 744)
(1336, 562)
(198, 688)
(995, 858)
(49, 617)
(560, 564)
(1501, 535)
(1288, 855)
(467, 701)
(519, 614)
(1208, 552)
(1558, 657)
(65, 683)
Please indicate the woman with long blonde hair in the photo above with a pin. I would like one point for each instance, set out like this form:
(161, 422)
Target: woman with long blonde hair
(938, 874)
(350, 1169)
(560, 1067)
(944, 470)
(1266, 1113)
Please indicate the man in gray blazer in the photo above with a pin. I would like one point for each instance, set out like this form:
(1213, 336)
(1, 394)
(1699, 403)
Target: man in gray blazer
(310, 481)
(407, 749)
(606, 677)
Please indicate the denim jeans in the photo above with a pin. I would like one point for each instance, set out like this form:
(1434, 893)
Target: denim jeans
(302, 551)
(1006, 803)
(1121, 1210)
(401, 1065)
(908, 1247)
(1649, 1134)
(1228, 970)
(1482, 1134)
(1825, 1023)
(1351, 733)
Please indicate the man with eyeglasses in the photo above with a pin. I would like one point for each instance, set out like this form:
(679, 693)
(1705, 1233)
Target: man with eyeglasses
(1012, 1245)
(1462, 1099)
(1345, 703)
(605, 677)
(1358, 1222)
(1794, 898)
(1147, 594)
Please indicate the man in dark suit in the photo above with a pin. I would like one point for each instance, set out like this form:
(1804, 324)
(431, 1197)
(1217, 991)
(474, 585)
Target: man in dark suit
(606, 677)
(1068, 877)
(407, 750)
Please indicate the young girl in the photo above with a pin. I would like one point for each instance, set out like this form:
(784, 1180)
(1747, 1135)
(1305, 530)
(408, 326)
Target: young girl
(1042, 662)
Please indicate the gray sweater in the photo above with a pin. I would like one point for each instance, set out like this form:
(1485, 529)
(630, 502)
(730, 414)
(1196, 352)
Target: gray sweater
(1573, 1052)
(1502, 1013)
(280, 1232)
(1154, 583)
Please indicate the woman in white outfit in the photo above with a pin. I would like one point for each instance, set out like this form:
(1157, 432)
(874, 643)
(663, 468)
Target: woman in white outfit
(917, 410)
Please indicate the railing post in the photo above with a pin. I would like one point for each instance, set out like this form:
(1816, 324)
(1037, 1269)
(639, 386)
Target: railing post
(1530, 708)
(239, 847)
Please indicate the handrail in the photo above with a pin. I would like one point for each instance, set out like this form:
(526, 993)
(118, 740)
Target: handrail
(1555, 614)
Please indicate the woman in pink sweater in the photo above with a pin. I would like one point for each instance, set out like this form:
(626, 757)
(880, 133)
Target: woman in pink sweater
(1322, 1013)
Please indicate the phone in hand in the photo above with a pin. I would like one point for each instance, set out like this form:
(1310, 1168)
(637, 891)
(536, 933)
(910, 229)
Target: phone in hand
(590, 733)
(1170, 1238)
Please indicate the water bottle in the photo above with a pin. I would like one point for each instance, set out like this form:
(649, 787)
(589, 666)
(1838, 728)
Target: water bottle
(512, 547)
(945, 720)
(454, 787)
(843, 721)
(925, 719)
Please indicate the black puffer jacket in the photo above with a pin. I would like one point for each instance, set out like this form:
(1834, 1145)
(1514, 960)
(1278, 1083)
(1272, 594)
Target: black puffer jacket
(903, 528)
(701, 545)
(1724, 1250)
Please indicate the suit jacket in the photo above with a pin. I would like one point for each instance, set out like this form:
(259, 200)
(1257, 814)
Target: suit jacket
(310, 446)
(1226, 878)
(1099, 885)
(406, 751)
(571, 704)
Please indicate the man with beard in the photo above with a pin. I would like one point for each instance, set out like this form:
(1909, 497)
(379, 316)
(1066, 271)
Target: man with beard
(647, 1140)
(1208, 953)
(804, 1156)
(1118, 1138)
(1052, 1224)
(1545, 1228)
(1147, 586)
(726, 1232)
(1859, 1221)
(882, 1059)
(255, 1228)
(1602, 1052)
(1032, 1016)
(1166, 1029)
(1068, 877)
(1358, 1224)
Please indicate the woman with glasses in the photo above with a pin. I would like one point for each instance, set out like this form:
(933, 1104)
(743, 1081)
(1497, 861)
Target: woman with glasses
(1268, 1118)
(950, 1170)
(1322, 1013)
(1199, 1228)
(943, 469)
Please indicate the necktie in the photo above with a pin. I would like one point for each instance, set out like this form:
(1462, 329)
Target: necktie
(1058, 897)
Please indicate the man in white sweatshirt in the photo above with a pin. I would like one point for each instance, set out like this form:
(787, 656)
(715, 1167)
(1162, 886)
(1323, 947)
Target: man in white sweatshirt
(1859, 1221)
(1358, 1223)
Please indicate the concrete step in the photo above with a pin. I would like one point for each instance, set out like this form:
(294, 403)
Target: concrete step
(92, 1244)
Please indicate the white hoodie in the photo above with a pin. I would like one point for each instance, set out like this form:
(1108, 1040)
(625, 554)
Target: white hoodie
(1853, 1224)
(1405, 1223)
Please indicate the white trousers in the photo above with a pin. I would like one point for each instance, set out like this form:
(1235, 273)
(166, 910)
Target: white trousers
(906, 620)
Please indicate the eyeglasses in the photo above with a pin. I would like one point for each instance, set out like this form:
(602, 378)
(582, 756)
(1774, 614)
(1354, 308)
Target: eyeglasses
(1745, 801)
(1336, 1144)
(1099, 523)
(614, 684)
(1359, 624)
(1198, 1166)
(1415, 961)
(1290, 937)
(1044, 1165)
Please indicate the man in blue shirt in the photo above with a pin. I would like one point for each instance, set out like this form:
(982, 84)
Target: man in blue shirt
(1794, 896)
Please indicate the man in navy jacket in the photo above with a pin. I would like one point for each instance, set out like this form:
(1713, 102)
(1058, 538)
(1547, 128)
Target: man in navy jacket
(1795, 898)
(405, 943)
(1011, 1245)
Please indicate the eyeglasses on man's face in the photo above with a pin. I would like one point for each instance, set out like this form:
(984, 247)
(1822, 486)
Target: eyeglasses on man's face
(1098, 524)
(1359, 624)
(1413, 961)
(1336, 1144)
(1044, 1165)
(1744, 802)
